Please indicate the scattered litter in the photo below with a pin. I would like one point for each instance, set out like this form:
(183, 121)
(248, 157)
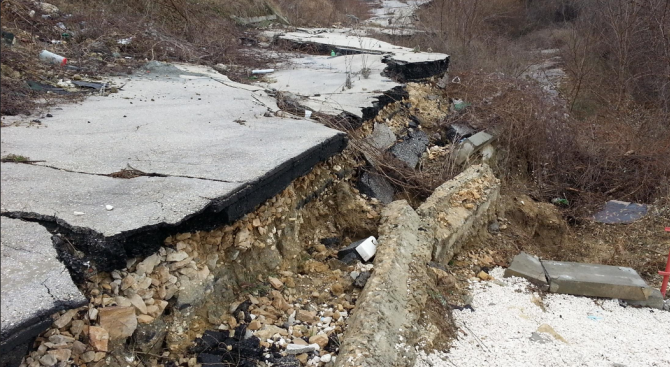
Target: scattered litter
(263, 71)
(308, 114)
(52, 58)
(79, 213)
(620, 212)
(367, 248)
(109, 207)
(560, 201)
(456, 80)
(9, 38)
(125, 41)
(460, 105)
(595, 318)
(40, 87)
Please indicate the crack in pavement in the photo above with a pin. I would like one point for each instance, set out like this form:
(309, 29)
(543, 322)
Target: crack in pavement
(144, 174)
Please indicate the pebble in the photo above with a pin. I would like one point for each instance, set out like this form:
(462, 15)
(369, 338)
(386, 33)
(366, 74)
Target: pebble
(109, 207)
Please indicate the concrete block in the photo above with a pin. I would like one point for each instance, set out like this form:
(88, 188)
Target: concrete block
(528, 267)
(655, 300)
(595, 280)
(480, 139)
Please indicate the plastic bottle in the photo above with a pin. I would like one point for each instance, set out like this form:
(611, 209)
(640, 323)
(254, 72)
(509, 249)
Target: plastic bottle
(52, 58)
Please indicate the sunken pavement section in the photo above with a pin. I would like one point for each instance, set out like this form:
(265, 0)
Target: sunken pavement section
(179, 148)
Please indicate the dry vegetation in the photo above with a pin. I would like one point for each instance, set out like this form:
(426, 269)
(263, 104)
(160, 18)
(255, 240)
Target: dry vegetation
(611, 140)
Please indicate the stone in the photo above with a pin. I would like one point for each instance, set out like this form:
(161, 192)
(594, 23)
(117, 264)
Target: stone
(299, 349)
(302, 358)
(278, 301)
(362, 279)
(254, 325)
(145, 319)
(48, 360)
(320, 339)
(595, 280)
(61, 339)
(276, 283)
(98, 338)
(61, 354)
(78, 348)
(128, 282)
(88, 356)
(176, 256)
(149, 338)
(120, 322)
(77, 327)
(411, 148)
(382, 137)
(376, 186)
(337, 289)
(122, 301)
(65, 319)
(306, 316)
(92, 313)
(326, 358)
(528, 267)
(147, 265)
(138, 302)
(269, 330)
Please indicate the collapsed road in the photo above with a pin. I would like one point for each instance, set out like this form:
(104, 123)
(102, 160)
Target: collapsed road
(103, 189)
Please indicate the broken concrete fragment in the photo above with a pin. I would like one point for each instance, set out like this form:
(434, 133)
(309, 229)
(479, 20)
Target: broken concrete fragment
(34, 286)
(528, 267)
(472, 145)
(382, 137)
(376, 186)
(299, 349)
(595, 280)
(655, 300)
(120, 322)
(411, 148)
(456, 132)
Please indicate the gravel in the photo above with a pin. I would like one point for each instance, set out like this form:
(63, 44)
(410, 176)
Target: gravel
(503, 330)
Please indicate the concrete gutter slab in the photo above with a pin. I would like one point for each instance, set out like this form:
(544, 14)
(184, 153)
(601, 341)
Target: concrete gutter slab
(528, 267)
(34, 284)
(595, 280)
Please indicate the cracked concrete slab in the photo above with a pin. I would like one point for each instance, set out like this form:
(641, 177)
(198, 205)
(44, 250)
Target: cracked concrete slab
(213, 147)
(595, 280)
(186, 125)
(34, 283)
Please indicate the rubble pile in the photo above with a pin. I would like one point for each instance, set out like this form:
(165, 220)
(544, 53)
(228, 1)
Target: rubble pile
(287, 287)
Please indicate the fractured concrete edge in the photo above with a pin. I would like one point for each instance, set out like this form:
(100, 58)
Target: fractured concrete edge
(528, 267)
(111, 253)
(459, 208)
(389, 308)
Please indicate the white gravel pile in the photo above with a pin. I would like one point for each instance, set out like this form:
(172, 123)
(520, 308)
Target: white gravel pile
(508, 329)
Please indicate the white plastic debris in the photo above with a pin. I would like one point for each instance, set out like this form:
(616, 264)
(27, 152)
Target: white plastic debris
(263, 71)
(52, 58)
(367, 248)
(124, 41)
(308, 114)
(109, 207)
(79, 213)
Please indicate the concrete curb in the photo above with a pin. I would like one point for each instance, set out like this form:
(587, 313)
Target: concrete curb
(384, 323)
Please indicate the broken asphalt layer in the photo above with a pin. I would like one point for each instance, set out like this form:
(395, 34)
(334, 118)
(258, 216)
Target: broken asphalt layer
(403, 64)
(34, 285)
(207, 150)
